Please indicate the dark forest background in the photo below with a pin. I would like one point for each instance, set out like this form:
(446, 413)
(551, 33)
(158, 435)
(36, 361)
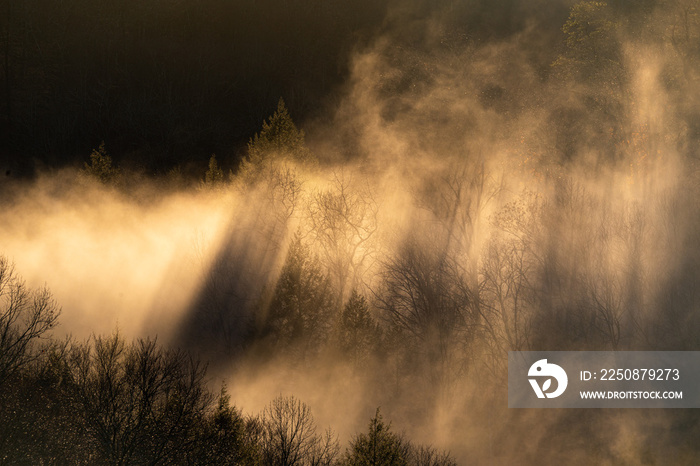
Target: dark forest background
(167, 83)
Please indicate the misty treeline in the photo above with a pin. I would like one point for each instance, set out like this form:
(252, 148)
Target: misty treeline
(110, 401)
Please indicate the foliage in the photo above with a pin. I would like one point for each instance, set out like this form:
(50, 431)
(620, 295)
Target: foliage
(214, 177)
(100, 167)
(594, 59)
(592, 48)
(278, 141)
(359, 335)
(229, 437)
(378, 447)
(593, 56)
(301, 308)
(382, 447)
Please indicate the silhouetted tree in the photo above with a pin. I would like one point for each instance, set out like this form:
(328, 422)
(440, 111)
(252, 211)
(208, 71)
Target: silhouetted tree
(140, 404)
(301, 309)
(38, 421)
(429, 456)
(228, 437)
(378, 447)
(279, 140)
(425, 296)
(100, 167)
(289, 436)
(359, 335)
(508, 270)
(26, 316)
(214, 177)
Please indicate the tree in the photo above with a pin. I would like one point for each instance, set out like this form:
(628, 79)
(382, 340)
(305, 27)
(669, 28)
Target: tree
(279, 140)
(279, 137)
(26, 316)
(100, 167)
(592, 50)
(214, 177)
(343, 222)
(37, 420)
(429, 456)
(508, 268)
(289, 436)
(300, 311)
(229, 439)
(269, 174)
(358, 332)
(426, 298)
(593, 60)
(379, 447)
(684, 35)
(139, 403)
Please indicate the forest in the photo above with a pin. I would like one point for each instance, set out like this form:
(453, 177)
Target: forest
(308, 233)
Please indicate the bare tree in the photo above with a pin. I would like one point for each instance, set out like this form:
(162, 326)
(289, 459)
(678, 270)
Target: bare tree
(426, 297)
(26, 316)
(139, 404)
(289, 436)
(343, 224)
(429, 456)
(508, 270)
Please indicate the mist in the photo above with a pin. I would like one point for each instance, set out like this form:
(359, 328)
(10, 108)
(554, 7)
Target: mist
(483, 180)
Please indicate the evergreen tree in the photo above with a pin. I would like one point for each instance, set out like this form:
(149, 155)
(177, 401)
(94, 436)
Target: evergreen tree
(214, 177)
(279, 140)
(301, 306)
(100, 166)
(228, 440)
(358, 332)
(379, 447)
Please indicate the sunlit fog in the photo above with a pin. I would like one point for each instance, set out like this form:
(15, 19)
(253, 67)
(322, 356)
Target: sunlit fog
(302, 233)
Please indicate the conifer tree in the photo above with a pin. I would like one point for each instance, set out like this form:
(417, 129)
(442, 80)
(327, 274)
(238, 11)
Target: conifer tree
(279, 139)
(100, 166)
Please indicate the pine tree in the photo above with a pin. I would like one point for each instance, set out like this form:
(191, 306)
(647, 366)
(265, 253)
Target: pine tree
(378, 447)
(301, 306)
(279, 139)
(358, 333)
(214, 177)
(100, 166)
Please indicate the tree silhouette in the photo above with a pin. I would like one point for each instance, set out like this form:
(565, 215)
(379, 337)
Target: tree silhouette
(100, 167)
(279, 140)
(26, 316)
(290, 438)
(214, 177)
(140, 404)
(342, 222)
(378, 447)
(358, 333)
(301, 307)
